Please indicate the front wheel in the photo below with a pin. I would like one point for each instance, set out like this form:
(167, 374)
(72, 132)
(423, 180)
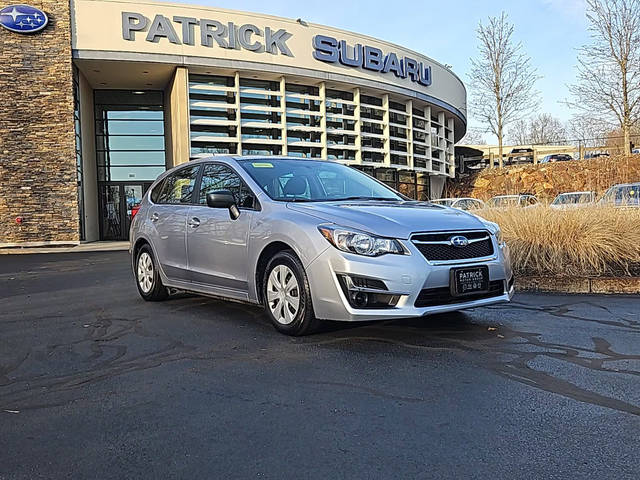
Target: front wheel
(287, 296)
(148, 279)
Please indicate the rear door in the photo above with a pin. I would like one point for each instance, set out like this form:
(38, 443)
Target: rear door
(216, 244)
(168, 218)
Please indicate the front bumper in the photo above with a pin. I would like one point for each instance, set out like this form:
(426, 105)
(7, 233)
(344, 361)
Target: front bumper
(404, 275)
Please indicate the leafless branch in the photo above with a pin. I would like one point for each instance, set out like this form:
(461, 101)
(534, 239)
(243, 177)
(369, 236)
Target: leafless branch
(502, 79)
(608, 72)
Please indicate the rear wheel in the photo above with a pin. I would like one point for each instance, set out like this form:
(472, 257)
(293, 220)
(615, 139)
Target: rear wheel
(287, 296)
(148, 279)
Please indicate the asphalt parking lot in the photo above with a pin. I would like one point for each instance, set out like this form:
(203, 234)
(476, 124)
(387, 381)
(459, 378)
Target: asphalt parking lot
(96, 383)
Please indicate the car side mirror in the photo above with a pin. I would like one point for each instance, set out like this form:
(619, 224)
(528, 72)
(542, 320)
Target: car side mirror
(224, 199)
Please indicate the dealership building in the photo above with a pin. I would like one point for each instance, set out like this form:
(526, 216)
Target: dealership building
(100, 97)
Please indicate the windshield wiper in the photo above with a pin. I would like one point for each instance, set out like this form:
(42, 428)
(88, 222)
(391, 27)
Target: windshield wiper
(364, 198)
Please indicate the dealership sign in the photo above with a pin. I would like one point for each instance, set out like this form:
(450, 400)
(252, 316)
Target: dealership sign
(331, 50)
(225, 35)
(23, 18)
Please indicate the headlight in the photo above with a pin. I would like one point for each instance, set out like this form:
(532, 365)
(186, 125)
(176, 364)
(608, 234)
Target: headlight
(494, 229)
(362, 243)
(499, 238)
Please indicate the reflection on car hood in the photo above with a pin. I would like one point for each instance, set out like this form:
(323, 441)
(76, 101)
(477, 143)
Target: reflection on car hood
(390, 219)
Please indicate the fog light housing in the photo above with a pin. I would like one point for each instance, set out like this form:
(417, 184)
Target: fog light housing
(359, 299)
(363, 292)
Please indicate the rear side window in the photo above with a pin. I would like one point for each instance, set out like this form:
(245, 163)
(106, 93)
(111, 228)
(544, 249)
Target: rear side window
(178, 187)
(157, 190)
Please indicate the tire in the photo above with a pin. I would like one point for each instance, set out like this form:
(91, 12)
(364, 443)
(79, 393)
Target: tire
(287, 315)
(147, 277)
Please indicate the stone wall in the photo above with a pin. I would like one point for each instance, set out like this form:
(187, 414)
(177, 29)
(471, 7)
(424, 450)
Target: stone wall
(37, 144)
(548, 180)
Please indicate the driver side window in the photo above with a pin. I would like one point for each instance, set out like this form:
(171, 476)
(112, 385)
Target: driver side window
(216, 177)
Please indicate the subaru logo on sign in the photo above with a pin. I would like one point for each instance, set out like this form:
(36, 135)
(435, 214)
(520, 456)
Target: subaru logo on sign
(459, 241)
(23, 18)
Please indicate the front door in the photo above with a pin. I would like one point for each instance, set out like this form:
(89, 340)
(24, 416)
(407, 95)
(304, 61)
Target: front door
(217, 244)
(119, 202)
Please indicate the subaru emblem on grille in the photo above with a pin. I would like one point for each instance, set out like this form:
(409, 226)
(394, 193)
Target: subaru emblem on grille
(459, 241)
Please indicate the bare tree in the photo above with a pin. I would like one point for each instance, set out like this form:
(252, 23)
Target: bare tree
(608, 81)
(616, 141)
(519, 132)
(473, 137)
(587, 130)
(543, 129)
(502, 79)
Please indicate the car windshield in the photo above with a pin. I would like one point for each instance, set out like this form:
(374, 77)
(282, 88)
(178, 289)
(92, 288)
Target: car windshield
(511, 201)
(447, 202)
(314, 181)
(623, 195)
(572, 198)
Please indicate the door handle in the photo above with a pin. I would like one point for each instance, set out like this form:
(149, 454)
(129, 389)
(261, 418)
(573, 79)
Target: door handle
(194, 222)
(155, 217)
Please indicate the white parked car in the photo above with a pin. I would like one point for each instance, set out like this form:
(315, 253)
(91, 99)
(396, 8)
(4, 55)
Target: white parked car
(465, 203)
(622, 195)
(573, 200)
(510, 201)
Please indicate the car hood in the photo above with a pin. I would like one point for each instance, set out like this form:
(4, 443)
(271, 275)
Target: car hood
(390, 219)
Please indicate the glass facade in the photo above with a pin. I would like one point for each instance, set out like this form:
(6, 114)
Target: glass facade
(235, 114)
(130, 143)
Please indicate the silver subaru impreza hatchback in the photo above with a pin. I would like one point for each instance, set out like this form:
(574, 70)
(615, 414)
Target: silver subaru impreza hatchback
(312, 240)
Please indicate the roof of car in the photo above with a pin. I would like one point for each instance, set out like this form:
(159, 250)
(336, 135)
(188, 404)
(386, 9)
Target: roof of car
(574, 193)
(254, 157)
(515, 196)
(632, 184)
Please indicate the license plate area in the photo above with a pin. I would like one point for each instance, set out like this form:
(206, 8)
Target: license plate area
(469, 281)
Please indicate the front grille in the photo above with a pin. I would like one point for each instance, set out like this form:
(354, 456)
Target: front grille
(435, 246)
(432, 297)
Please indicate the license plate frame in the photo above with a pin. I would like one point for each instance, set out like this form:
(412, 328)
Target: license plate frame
(476, 281)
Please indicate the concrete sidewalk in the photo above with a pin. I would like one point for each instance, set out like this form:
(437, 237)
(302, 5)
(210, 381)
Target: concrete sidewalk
(102, 246)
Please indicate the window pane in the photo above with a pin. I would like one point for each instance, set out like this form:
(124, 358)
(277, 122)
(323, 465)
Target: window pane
(130, 158)
(178, 187)
(130, 127)
(114, 142)
(219, 177)
(129, 173)
(130, 114)
(408, 189)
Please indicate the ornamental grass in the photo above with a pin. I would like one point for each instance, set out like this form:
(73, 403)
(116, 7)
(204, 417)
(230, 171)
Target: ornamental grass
(587, 241)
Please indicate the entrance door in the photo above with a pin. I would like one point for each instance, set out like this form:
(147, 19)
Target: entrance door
(119, 202)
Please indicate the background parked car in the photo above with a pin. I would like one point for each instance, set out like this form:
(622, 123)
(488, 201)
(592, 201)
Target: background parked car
(465, 203)
(507, 201)
(622, 195)
(573, 200)
(596, 155)
(520, 155)
(556, 157)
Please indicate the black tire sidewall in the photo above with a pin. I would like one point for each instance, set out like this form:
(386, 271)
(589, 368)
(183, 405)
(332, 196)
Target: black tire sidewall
(158, 290)
(304, 321)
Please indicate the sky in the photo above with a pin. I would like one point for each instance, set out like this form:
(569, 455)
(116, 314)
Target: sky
(551, 31)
